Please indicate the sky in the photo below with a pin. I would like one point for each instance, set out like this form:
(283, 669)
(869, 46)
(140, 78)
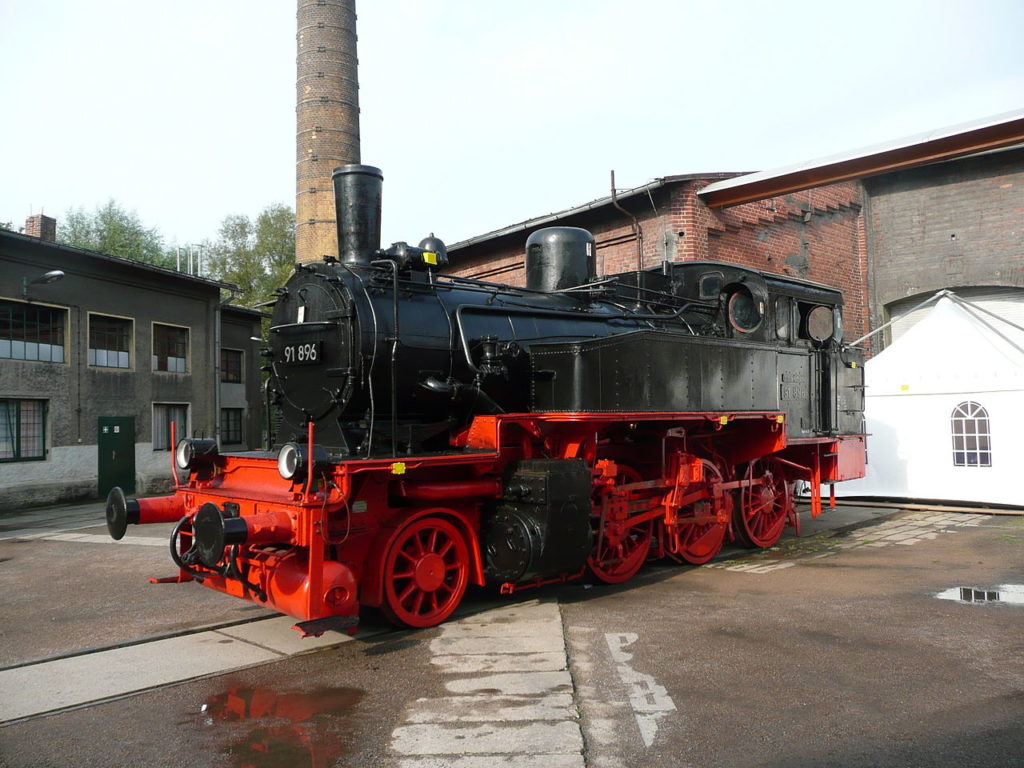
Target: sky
(480, 113)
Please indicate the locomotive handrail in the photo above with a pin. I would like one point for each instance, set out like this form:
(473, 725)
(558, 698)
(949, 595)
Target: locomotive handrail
(311, 324)
(566, 313)
(394, 349)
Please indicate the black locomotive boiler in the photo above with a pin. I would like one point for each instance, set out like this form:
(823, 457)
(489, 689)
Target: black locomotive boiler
(434, 431)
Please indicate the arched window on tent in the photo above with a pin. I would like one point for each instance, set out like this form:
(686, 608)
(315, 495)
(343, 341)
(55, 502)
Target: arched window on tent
(972, 437)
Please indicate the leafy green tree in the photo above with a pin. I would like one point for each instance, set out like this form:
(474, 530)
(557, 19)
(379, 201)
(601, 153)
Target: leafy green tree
(115, 231)
(256, 255)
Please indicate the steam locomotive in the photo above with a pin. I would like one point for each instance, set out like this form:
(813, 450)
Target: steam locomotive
(435, 431)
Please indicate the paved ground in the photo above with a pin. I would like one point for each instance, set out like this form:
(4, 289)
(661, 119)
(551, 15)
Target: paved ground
(830, 650)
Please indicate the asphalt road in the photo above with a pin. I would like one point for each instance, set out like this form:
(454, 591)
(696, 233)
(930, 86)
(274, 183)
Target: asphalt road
(834, 649)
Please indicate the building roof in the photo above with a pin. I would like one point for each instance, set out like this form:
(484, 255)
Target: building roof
(990, 133)
(540, 221)
(16, 238)
(235, 309)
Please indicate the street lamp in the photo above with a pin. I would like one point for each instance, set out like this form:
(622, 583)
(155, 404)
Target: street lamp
(47, 277)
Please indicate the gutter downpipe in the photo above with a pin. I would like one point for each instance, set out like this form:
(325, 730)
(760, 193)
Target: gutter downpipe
(637, 231)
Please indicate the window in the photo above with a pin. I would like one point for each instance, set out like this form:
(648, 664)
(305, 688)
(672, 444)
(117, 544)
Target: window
(22, 430)
(745, 312)
(782, 317)
(110, 341)
(710, 285)
(972, 439)
(31, 332)
(230, 365)
(231, 426)
(170, 348)
(163, 415)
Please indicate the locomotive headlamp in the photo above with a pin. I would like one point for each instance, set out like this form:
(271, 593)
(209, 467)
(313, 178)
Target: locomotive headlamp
(292, 459)
(191, 452)
(289, 461)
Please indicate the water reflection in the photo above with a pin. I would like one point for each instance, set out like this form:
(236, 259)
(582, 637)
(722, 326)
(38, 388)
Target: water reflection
(289, 729)
(1004, 593)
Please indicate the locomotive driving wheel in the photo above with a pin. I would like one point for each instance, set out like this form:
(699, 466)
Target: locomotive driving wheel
(765, 503)
(425, 573)
(619, 549)
(698, 542)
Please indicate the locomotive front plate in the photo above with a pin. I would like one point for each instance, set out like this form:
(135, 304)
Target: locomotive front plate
(309, 353)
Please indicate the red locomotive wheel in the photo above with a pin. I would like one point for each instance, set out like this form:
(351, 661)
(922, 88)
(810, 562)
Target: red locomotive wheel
(615, 561)
(764, 506)
(697, 543)
(425, 573)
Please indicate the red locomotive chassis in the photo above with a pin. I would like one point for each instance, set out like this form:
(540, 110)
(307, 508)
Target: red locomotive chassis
(406, 534)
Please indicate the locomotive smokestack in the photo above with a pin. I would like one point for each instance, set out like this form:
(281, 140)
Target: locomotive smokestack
(327, 118)
(357, 201)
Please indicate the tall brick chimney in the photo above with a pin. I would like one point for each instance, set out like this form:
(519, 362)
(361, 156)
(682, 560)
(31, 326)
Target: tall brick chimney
(43, 227)
(327, 119)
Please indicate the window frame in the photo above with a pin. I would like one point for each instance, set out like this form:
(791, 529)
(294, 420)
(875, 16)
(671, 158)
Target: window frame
(64, 329)
(131, 342)
(153, 348)
(225, 428)
(224, 368)
(165, 421)
(970, 421)
(17, 438)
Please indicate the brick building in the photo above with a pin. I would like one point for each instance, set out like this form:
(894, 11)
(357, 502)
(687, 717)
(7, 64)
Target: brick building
(814, 234)
(96, 364)
(889, 226)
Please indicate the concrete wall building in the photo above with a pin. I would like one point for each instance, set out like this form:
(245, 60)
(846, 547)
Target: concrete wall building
(956, 225)
(95, 367)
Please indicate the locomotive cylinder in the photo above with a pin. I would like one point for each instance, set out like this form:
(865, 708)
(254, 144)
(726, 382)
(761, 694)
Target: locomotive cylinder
(358, 193)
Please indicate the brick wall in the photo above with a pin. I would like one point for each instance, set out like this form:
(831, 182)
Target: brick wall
(816, 235)
(954, 224)
(43, 227)
(327, 119)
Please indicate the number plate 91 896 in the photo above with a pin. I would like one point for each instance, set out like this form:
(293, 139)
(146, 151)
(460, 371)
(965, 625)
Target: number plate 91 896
(309, 353)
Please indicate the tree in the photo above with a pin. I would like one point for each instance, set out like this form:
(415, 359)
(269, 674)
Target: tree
(257, 256)
(112, 230)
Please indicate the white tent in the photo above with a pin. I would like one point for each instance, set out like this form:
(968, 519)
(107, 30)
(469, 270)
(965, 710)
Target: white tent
(944, 408)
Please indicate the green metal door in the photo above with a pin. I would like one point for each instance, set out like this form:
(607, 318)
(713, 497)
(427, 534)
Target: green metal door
(116, 447)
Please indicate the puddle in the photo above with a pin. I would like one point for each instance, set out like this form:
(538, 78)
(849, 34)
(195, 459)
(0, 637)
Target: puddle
(1004, 593)
(290, 729)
